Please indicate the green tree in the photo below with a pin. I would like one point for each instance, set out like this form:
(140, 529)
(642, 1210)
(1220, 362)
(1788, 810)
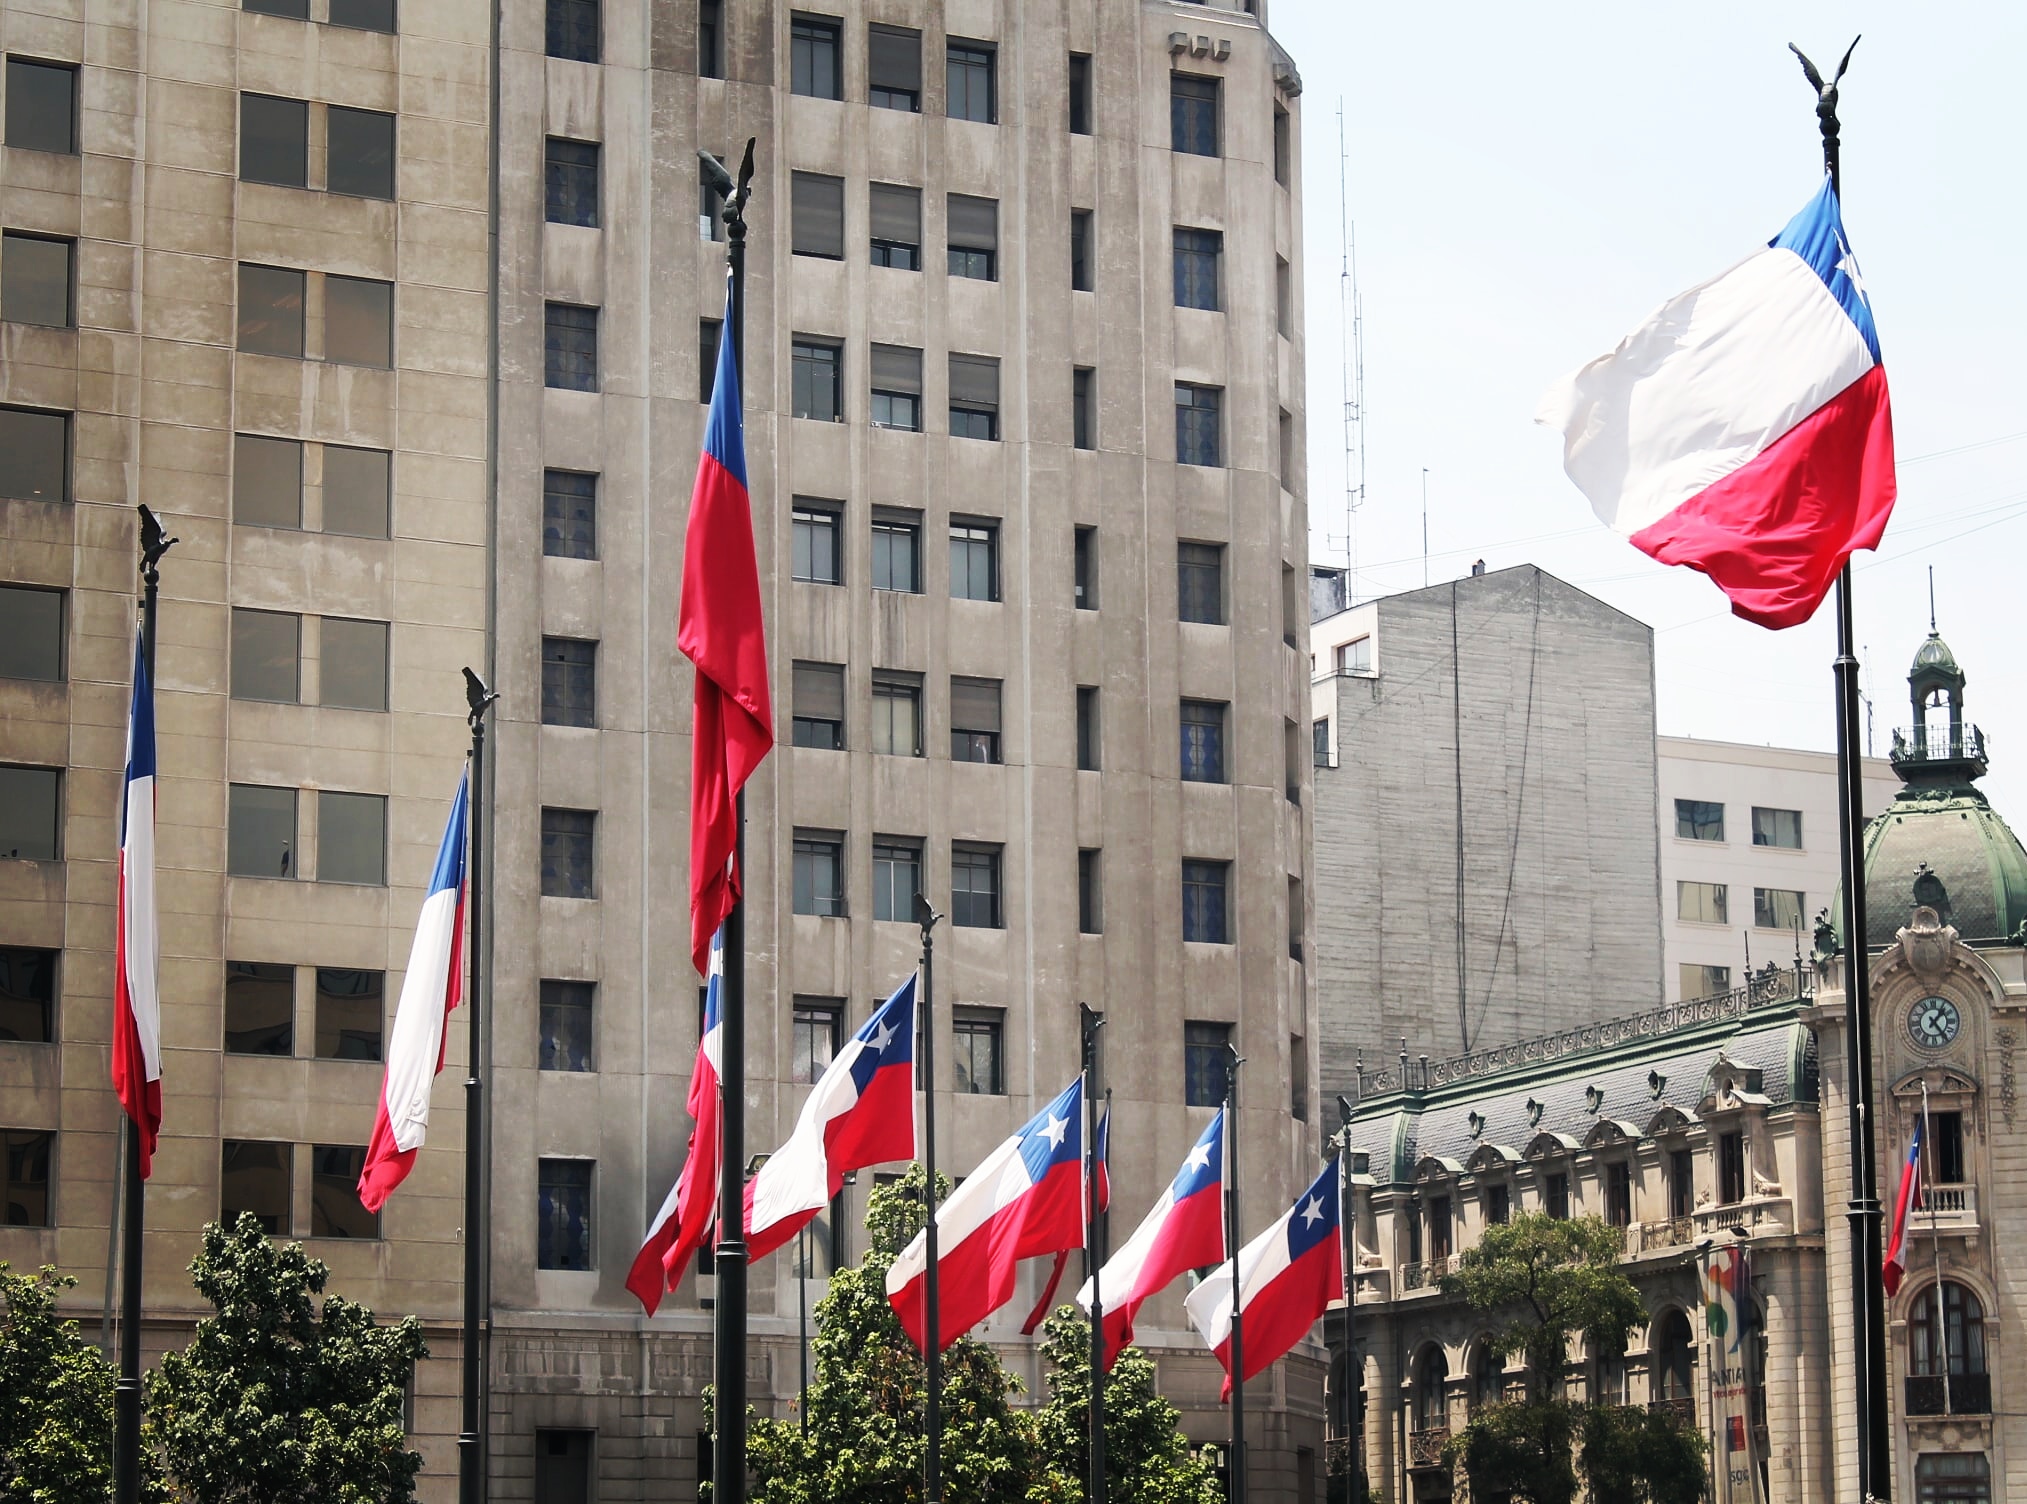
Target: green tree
(278, 1400)
(1147, 1458)
(1641, 1456)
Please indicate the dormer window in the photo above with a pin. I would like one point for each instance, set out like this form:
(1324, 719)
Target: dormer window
(1619, 1194)
(1730, 1168)
(1555, 1196)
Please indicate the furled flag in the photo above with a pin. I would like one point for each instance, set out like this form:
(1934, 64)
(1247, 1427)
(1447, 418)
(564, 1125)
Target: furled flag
(1744, 429)
(1895, 1268)
(1103, 1176)
(679, 1227)
(1186, 1230)
(137, 1005)
(862, 1112)
(433, 986)
(1288, 1276)
(720, 630)
(1025, 1200)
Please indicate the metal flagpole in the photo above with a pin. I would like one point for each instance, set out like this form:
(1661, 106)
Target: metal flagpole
(1347, 1417)
(1237, 1462)
(802, 1321)
(932, 1309)
(1862, 1212)
(471, 1454)
(1094, 1255)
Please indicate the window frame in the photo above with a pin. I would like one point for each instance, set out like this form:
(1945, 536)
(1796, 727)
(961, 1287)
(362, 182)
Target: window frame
(23, 129)
(895, 853)
(813, 359)
(571, 187)
(1203, 757)
(365, 177)
(570, 692)
(973, 415)
(259, 977)
(283, 1220)
(967, 66)
(810, 37)
(974, 550)
(573, 30)
(1777, 823)
(550, 1180)
(898, 529)
(331, 805)
(1199, 268)
(977, 857)
(15, 290)
(1766, 908)
(1090, 730)
(1195, 115)
(972, 250)
(245, 621)
(893, 94)
(1082, 257)
(1702, 902)
(808, 517)
(564, 368)
(332, 632)
(809, 682)
(1082, 98)
(970, 1025)
(1206, 901)
(895, 686)
(901, 253)
(808, 1015)
(1206, 1061)
(1090, 890)
(1199, 425)
(288, 282)
(978, 744)
(1694, 814)
(558, 999)
(813, 197)
(819, 853)
(573, 537)
(560, 848)
(30, 979)
(325, 982)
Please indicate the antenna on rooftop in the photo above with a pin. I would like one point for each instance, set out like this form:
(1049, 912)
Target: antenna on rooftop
(1931, 599)
(1351, 362)
(1425, 527)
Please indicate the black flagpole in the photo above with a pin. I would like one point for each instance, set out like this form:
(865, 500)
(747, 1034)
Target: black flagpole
(1094, 1254)
(1875, 1464)
(1236, 1463)
(1352, 1382)
(127, 1387)
(932, 1310)
(471, 1452)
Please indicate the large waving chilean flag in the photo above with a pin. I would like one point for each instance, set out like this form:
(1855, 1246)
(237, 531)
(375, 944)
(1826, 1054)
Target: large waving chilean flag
(1185, 1231)
(862, 1112)
(429, 991)
(137, 1004)
(678, 1229)
(1025, 1200)
(1744, 429)
(1288, 1276)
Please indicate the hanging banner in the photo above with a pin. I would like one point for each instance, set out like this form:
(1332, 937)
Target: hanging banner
(1726, 1280)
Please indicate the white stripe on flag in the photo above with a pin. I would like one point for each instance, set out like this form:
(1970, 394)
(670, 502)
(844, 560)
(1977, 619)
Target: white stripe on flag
(416, 1041)
(142, 934)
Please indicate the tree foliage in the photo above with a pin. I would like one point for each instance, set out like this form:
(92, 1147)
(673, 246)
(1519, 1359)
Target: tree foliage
(1520, 1451)
(1641, 1456)
(1147, 1458)
(278, 1400)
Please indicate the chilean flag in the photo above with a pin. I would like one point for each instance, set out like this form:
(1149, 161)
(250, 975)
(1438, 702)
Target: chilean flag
(1744, 429)
(137, 1004)
(1186, 1230)
(1026, 1200)
(861, 1112)
(1099, 1154)
(678, 1228)
(433, 986)
(720, 630)
(1895, 1267)
(1288, 1276)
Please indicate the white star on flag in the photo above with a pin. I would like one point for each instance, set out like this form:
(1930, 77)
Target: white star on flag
(882, 1037)
(1313, 1212)
(1054, 1130)
(1848, 265)
(1199, 1158)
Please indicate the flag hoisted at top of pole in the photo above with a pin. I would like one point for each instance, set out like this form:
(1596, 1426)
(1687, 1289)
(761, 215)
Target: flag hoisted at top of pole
(1744, 429)
(137, 1005)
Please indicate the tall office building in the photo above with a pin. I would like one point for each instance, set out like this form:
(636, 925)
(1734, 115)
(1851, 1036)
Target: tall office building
(1024, 418)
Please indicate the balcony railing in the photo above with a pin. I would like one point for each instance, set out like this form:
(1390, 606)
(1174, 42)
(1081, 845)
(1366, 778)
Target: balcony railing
(1761, 1214)
(1675, 1232)
(1425, 1448)
(1969, 1394)
(1682, 1407)
(1946, 1208)
(1928, 744)
(1414, 1275)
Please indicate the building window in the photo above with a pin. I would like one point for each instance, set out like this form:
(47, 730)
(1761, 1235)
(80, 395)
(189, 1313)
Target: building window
(569, 514)
(813, 60)
(817, 695)
(1203, 741)
(1777, 908)
(1205, 1063)
(41, 106)
(260, 831)
(570, 347)
(1498, 1206)
(1089, 741)
(335, 1210)
(1298, 1078)
(710, 219)
(709, 332)
(351, 1013)
(573, 30)
(969, 81)
(1090, 891)
(1205, 909)
(978, 1044)
(897, 714)
(569, 682)
(266, 651)
(1084, 408)
(571, 168)
(1681, 1182)
(351, 838)
(1702, 981)
(34, 455)
(364, 15)
(1284, 319)
(710, 56)
(271, 311)
(1193, 114)
(817, 371)
(257, 1176)
(1731, 1184)
(814, 1043)
(1777, 827)
(31, 813)
(353, 669)
(1197, 253)
(895, 218)
(568, 852)
(1080, 250)
(897, 552)
(817, 216)
(975, 720)
(1319, 742)
(294, 10)
(897, 388)
(1953, 1346)
(894, 68)
(1298, 918)
(974, 560)
(819, 874)
(1555, 1199)
(359, 322)
(1080, 93)
(1284, 150)
(1619, 1194)
(974, 237)
(1354, 657)
(1674, 1365)
(565, 1025)
(35, 280)
(974, 397)
(1953, 1477)
(267, 481)
(356, 493)
(359, 153)
(563, 1213)
(814, 537)
(1946, 1148)
(1440, 1223)
(260, 1008)
(974, 886)
(27, 995)
(1196, 424)
(24, 1195)
(1699, 820)
(897, 878)
(1701, 903)
(1084, 567)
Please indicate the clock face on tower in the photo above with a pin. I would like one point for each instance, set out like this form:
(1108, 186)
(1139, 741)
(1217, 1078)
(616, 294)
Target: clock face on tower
(1932, 1022)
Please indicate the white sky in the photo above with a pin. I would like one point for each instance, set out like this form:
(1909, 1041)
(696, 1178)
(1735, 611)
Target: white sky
(1528, 182)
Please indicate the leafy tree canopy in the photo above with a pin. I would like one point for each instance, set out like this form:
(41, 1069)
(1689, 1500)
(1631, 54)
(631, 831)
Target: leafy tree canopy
(1147, 1458)
(1641, 1456)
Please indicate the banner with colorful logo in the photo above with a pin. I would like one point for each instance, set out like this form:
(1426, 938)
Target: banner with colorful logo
(1726, 1281)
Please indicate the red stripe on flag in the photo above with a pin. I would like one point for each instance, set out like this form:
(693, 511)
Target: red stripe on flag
(141, 1097)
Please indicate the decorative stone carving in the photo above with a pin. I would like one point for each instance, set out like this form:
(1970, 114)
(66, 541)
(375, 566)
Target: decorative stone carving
(1925, 944)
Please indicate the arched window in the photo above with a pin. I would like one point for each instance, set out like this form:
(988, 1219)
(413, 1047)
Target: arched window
(1960, 1345)
(1673, 1370)
(1432, 1373)
(1953, 1478)
(1488, 1377)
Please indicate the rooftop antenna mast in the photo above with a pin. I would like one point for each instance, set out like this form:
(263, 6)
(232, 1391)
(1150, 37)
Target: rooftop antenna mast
(1931, 598)
(1351, 361)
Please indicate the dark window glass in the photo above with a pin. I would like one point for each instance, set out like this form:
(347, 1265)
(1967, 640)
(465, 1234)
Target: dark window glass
(567, 853)
(563, 1213)
(1090, 891)
(360, 161)
(1675, 1365)
(569, 514)
(975, 720)
(817, 372)
(1084, 408)
(710, 39)
(570, 347)
(1946, 1148)
(31, 633)
(1205, 1063)
(363, 15)
(1080, 251)
(1556, 1196)
(566, 1026)
(335, 1211)
(974, 397)
(1777, 827)
(897, 388)
(968, 77)
(894, 68)
(573, 30)
(1959, 1347)
(1203, 741)
(1193, 114)
(356, 492)
(351, 838)
(974, 560)
(1196, 424)
(974, 886)
(260, 831)
(351, 1013)
(41, 106)
(897, 878)
(27, 994)
(1284, 150)
(709, 332)
(260, 1008)
(256, 1176)
(818, 555)
(24, 1192)
(267, 481)
(564, 1460)
(1204, 908)
(31, 813)
(1777, 908)
(896, 226)
(814, 1043)
(897, 555)
(1701, 903)
(710, 211)
(359, 322)
(1440, 1222)
(294, 10)
(1080, 93)
(1319, 742)
(571, 172)
(974, 237)
(1084, 567)
(35, 280)
(271, 311)
(1681, 1182)
(354, 664)
(897, 714)
(817, 215)
(1730, 1168)
(569, 682)
(1498, 1212)
(1196, 268)
(1618, 1194)
(1699, 820)
(1087, 728)
(1284, 325)
(978, 1044)
(266, 649)
(34, 455)
(819, 875)
(817, 697)
(813, 57)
